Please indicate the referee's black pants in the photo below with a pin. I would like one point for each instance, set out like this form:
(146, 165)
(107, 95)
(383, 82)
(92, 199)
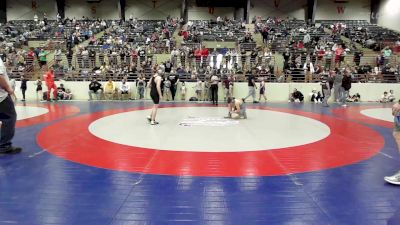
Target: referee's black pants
(8, 117)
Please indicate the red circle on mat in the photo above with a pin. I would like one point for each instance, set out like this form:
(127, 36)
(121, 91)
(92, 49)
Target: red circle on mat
(56, 111)
(347, 144)
(354, 113)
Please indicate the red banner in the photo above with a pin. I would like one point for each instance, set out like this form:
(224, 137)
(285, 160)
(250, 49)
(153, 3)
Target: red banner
(277, 3)
(34, 4)
(93, 9)
(340, 9)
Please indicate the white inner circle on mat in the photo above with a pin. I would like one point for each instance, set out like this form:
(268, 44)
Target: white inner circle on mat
(379, 113)
(263, 130)
(26, 112)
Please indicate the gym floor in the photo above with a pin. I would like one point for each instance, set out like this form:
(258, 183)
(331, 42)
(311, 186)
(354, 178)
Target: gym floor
(103, 163)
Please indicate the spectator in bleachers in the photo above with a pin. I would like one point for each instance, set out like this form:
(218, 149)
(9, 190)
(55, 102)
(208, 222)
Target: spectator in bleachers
(95, 88)
(43, 58)
(387, 54)
(308, 68)
(357, 57)
(30, 59)
(339, 54)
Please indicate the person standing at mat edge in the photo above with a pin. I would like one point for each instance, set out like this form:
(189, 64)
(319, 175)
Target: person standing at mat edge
(214, 89)
(8, 116)
(155, 94)
(252, 86)
(395, 179)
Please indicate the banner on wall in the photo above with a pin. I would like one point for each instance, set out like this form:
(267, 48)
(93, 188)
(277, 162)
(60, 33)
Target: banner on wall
(154, 3)
(277, 3)
(34, 4)
(340, 9)
(93, 9)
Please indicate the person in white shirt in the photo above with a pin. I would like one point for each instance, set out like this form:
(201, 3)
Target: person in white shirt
(308, 70)
(219, 61)
(391, 96)
(8, 115)
(199, 89)
(183, 91)
(124, 89)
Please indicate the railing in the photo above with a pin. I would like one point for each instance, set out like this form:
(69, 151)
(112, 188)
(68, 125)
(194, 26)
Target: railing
(239, 77)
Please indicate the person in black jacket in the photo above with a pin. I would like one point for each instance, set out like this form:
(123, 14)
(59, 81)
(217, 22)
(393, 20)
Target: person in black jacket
(296, 96)
(346, 86)
(23, 87)
(94, 88)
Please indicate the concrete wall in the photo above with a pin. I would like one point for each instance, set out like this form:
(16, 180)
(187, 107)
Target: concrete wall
(22, 9)
(353, 10)
(389, 14)
(201, 13)
(145, 9)
(276, 92)
(285, 8)
(104, 10)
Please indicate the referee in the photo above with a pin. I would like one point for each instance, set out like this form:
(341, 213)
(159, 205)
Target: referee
(8, 116)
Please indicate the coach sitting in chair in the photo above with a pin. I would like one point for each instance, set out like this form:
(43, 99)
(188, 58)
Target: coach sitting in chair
(237, 108)
(95, 88)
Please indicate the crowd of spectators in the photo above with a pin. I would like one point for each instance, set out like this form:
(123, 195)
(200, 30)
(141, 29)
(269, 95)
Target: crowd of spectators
(126, 51)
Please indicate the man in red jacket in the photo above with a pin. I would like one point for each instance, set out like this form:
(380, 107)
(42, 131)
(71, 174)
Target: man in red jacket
(49, 78)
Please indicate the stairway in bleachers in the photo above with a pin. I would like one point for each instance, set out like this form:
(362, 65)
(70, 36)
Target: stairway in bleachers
(177, 37)
(256, 36)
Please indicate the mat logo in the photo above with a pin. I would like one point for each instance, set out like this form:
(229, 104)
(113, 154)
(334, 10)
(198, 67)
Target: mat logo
(340, 9)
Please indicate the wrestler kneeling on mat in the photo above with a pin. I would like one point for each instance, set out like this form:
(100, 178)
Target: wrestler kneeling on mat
(237, 108)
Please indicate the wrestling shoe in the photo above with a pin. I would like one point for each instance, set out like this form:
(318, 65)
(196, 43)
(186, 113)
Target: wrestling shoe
(394, 179)
(154, 123)
(11, 150)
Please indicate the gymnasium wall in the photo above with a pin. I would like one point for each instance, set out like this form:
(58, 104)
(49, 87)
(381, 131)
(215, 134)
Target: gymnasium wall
(389, 14)
(353, 10)
(104, 10)
(146, 10)
(276, 92)
(282, 8)
(25, 10)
